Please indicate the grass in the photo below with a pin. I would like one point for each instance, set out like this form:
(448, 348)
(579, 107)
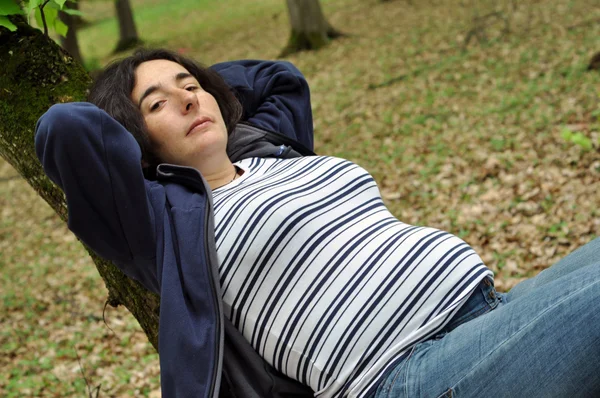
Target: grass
(470, 140)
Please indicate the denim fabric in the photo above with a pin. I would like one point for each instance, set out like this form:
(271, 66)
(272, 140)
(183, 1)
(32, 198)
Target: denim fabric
(542, 339)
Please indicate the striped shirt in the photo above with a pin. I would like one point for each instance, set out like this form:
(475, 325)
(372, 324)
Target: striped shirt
(323, 281)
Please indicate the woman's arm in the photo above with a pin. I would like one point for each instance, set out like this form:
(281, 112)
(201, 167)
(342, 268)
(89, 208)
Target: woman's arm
(96, 162)
(274, 94)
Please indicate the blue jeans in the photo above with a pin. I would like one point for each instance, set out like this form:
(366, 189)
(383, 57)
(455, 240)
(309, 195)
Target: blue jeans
(542, 339)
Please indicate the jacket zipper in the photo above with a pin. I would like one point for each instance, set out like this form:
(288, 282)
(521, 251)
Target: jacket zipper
(214, 388)
(179, 175)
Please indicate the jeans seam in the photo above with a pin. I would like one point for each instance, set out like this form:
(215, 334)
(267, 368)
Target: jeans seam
(406, 367)
(446, 394)
(521, 329)
(389, 385)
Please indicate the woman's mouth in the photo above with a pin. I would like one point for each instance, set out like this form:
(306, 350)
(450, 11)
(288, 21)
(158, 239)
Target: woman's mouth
(199, 124)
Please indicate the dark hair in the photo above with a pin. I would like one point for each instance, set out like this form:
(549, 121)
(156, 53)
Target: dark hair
(112, 89)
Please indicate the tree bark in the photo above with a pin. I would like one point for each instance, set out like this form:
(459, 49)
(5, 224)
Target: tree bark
(70, 43)
(37, 73)
(127, 31)
(310, 30)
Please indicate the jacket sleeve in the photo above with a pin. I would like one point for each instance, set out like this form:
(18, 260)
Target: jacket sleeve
(96, 162)
(274, 95)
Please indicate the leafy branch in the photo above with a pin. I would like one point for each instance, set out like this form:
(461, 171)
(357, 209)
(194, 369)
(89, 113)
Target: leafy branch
(45, 12)
(43, 17)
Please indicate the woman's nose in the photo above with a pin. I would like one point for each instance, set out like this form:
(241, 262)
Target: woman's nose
(189, 100)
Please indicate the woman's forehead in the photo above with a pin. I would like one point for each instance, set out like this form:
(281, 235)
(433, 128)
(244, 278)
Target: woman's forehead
(156, 73)
(157, 70)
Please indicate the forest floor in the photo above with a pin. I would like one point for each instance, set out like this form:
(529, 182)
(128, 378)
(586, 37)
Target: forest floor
(495, 140)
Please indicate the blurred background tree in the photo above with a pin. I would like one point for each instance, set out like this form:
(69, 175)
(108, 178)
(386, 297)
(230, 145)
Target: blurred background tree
(309, 28)
(128, 36)
(73, 22)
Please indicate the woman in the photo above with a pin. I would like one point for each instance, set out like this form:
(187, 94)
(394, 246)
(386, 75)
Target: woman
(298, 254)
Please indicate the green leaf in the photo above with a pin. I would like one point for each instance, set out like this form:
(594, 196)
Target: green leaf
(27, 8)
(60, 27)
(51, 16)
(7, 24)
(52, 4)
(38, 18)
(582, 141)
(70, 11)
(30, 5)
(9, 7)
(61, 3)
(566, 134)
(577, 138)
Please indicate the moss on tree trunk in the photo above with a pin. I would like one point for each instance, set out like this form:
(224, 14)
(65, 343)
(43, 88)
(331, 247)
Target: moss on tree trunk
(35, 74)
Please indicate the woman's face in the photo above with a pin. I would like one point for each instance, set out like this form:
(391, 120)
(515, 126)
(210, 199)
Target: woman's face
(184, 122)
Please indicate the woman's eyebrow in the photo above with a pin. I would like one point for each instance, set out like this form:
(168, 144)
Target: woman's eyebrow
(178, 77)
(148, 91)
(182, 75)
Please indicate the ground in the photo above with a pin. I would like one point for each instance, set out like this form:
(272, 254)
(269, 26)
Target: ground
(496, 141)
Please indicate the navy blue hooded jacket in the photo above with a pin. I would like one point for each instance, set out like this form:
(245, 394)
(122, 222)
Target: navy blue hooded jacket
(161, 232)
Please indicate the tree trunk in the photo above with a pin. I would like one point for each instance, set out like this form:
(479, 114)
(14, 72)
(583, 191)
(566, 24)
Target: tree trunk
(37, 73)
(70, 43)
(310, 29)
(127, 31)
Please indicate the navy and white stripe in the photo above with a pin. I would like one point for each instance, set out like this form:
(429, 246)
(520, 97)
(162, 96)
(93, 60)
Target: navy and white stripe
(324, 282)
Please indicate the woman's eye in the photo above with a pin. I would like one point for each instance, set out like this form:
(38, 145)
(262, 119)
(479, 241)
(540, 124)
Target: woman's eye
(191, 88)
(155, 106)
